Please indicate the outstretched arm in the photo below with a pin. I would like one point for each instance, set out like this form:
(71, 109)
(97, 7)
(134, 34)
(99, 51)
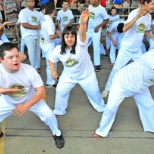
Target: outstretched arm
(141, 13)
(5, 23)
(83, 25)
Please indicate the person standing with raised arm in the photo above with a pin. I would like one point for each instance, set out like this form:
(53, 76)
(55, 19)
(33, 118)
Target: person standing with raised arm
(78, 67)
(137, 25)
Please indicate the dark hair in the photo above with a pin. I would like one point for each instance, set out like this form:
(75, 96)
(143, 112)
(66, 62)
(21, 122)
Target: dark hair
(68, 30)
(49, 8)
(42, 7)
(64, 1)
(7, 46)
(120, 27)
(143, 1)
(113, 8)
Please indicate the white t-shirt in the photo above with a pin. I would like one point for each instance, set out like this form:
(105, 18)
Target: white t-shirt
(96, 17)
(133, 37)
(76, 66)
(138, 75)
(64, 17)
(32, 18)
(113, 27)
(1, 16)
(41, 15)
(112, 18)
(47, 28)
(26, 79)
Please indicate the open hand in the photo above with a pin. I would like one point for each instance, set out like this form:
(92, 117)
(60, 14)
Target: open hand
(20, 110)
(84, 16)
(142, 11)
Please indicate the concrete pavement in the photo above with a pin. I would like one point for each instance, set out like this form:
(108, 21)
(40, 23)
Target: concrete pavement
(28, 135)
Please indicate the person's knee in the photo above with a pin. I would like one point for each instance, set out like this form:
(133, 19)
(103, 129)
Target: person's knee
(47, 113)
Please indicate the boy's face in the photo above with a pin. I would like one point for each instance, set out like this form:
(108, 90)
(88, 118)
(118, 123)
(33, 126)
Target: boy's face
(94, 2)
(65, 5)
(11, 61)
(149, 6)
(30, 3)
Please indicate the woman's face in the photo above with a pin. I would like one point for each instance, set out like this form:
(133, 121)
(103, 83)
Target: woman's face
(69, 40)
(113, 12)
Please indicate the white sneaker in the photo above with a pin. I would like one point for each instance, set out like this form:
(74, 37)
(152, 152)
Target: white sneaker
(14, 40)
(105, 93)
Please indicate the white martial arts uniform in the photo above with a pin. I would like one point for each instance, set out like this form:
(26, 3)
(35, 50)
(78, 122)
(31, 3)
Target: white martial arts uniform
(96, 17)
(26, 78)
(78, 68)
(47, 44)
(41, 18)
(132, 80)
(131, 43)
(31, 36)
(64, 17)
(151, 42)
(116, 36)
(111, 19)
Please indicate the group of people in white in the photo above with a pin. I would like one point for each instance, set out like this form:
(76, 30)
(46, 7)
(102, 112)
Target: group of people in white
(24, 87)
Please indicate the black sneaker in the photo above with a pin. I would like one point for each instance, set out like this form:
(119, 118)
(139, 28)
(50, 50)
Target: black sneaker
(1, 134)
(59, 141)
(106, 56)
(97, 68)
(51, 86)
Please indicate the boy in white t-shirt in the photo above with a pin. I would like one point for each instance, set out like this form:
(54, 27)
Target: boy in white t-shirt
(115, 34)
(78, 68)
(98, 17)
(30, 26)
(23, 90)
(136, 26)
(132, 80)
(151, 42)
(64, 16)
(47, 40)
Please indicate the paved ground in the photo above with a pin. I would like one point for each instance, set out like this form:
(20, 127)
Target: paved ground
(28, 135)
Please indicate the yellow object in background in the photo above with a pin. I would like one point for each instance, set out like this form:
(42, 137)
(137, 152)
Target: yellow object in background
(44, 97)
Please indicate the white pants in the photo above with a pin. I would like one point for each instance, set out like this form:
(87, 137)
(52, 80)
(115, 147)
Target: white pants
(95, 38)
(47, 49)
(117, 94)
(108, 42)
(88, 84)
(102, 50)
(3, 38)
(22, 48)
(41, 109)
(123, 58)
(113, 48)
(33, 46)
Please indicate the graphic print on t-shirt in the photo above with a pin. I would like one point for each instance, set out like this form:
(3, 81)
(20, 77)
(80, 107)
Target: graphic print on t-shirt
(141, 28)
(152, 80)
(65, 18)
(17, 86)
(71, 62)
(34, 19)
(92, 15)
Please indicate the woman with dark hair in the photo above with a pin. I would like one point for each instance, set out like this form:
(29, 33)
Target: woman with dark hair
(78, 68)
